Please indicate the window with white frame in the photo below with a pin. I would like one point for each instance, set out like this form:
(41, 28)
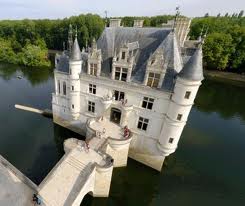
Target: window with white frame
(92, 89)
(91, 106)
(153, 79)
(93, 69)
(187, 95)
(119, 95)
(143, 123)
(72, 88)
(72, 106)
(121, 74)
(147, 103)
(64, 88)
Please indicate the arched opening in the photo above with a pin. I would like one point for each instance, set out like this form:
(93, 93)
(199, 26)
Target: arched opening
(87, 199)
(115, 115)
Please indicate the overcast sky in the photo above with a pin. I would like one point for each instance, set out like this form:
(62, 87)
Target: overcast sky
(19, 9)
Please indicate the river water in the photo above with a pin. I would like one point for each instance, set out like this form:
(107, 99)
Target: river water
(208, 168)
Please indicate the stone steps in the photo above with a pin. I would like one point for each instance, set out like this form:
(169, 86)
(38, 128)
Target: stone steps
(76, 163)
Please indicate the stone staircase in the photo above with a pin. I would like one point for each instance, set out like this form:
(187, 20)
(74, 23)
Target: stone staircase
(76, 163)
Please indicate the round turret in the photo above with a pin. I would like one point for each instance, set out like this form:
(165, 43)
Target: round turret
(75, 64)
(187, 84)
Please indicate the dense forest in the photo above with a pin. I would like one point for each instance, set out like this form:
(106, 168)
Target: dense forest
(27, 41)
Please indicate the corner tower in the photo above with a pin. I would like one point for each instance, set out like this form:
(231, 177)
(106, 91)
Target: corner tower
(187, 84)
(75, 65)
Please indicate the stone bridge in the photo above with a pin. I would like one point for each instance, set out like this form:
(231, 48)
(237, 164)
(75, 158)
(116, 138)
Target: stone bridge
(79, 172)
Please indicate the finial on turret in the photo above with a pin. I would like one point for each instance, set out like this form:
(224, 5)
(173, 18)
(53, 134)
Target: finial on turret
(200, 36)
(176, 17)
(76, 32)
(202, 39)
(70, 39)
(94, 45)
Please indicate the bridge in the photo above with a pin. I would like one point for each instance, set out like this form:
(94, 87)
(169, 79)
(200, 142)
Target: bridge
(82, 170)
(79, 172)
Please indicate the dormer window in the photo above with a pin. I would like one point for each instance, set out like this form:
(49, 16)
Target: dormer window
(121, 74)
(153, 79)
(123, 55)
(93, 69)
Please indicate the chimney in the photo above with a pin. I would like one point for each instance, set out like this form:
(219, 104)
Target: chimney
(115, 22)
(138, 23)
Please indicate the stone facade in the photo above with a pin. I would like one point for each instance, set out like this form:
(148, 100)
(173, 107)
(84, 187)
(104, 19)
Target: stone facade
(135, 78)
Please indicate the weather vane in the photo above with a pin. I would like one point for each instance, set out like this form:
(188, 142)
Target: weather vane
(176, 16)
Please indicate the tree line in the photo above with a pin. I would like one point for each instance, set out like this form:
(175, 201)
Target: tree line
(26, 41)
(224, 47)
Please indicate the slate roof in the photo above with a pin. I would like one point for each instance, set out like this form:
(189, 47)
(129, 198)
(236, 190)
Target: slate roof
(149, 40)
(63, 64)
(146, 41)
(76, 52)
(193, 69)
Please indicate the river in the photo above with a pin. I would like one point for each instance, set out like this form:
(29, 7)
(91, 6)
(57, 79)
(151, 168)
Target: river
(207, 169)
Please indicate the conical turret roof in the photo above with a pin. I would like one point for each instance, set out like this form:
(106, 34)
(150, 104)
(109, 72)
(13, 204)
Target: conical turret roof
(193, 69)
(76, 52)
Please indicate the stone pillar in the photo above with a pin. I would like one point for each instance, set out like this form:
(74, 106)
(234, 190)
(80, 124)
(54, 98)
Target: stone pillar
(102, 181)
(129, 74)
(161, 80)
(98, 67)
(146, 77)
(113, 71)
(88, 71)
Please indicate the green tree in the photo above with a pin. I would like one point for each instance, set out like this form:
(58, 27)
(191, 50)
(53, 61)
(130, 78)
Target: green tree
(6, 52)
(217, 50)
(33, 55)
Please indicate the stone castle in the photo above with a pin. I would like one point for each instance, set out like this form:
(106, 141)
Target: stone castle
(133, 89)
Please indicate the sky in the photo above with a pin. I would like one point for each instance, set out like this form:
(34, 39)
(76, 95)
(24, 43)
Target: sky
(39, 9)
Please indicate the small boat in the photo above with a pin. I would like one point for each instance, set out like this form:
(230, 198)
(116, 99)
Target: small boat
(19, 77)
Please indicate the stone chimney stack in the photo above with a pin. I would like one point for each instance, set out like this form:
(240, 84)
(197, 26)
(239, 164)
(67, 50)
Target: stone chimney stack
(138, 23)
(115, 22)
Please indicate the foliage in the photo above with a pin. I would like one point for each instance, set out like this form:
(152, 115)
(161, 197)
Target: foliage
(217, 50)
(26, 41)
(155, 21)
(30, 55)
(224, 47)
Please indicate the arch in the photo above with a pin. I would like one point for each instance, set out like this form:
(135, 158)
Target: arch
(87, 199)
(115, 115)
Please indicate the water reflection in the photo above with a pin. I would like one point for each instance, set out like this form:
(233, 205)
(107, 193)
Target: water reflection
(34, 75)
(207, 168)
(48, 155)
(221, 97)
